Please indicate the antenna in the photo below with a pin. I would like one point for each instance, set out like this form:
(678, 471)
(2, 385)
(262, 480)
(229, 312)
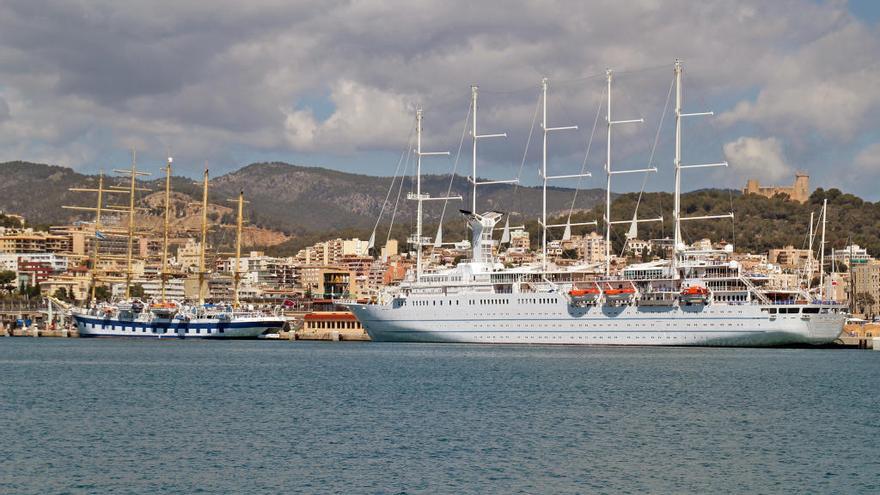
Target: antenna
(609, 74)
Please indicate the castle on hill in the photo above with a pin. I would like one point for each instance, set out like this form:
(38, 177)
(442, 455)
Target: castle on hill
(799, 191)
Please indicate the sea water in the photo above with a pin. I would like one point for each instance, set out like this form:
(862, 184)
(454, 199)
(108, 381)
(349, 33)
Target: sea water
(132, 416)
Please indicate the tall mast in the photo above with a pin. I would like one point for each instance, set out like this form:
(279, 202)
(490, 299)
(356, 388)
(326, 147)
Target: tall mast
(134, 174)
(676, 213)
(236, 277)
(418, 240)
(96, 251)
(809, 270)
(164, 273)
(609, 74)
(99, 209)
(203, 245)
(822, 252)
(476, 137)
(545, 178)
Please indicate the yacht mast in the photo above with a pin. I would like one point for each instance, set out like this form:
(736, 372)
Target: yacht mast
(99, 230)
(203, 245)
(134, 174)
(164, 273)
(236, 273)
(418, 240)
(609, 74)
(822, 252)
(473, 178)
(676, 213)
(545, 178)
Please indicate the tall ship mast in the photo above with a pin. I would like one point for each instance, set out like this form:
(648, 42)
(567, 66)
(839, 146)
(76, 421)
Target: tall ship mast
(163, 317)
(697, 297)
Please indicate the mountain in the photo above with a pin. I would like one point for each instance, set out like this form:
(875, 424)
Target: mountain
(303, 202)
(308, 204)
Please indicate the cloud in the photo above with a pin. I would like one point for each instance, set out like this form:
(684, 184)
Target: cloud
(758, 158)
(818, 88)
(230, 82)
(868, 159)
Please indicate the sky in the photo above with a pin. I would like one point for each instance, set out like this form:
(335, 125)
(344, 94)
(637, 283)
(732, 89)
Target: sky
(794, 85)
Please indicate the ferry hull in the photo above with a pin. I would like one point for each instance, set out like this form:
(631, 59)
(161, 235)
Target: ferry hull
(727, 326)
(90, 326)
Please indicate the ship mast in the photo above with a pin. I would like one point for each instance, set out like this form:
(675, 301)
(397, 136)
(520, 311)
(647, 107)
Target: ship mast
(418, 240)
(134, 174)
(676, 212)
(164, 273)
(608, 222)
(546, 178)
(473, 178)
(202, 248)
(822, 252)
(98, 234)
(236, 274)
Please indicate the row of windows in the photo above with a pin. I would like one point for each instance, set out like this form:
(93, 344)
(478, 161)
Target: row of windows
(334, 324)
(156, 330)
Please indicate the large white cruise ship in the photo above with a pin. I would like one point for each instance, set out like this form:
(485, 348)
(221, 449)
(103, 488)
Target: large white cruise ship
(696, 298)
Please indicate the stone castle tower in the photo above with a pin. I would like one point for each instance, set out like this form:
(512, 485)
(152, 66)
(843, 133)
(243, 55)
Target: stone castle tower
(799, 191)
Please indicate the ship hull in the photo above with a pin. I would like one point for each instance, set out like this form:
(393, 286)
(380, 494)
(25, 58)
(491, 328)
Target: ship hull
(206, 328)
(551, 323)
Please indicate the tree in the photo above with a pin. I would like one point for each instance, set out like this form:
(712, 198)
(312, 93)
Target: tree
(7, 277)
(865, 303)
(102, 293)
(137, 290)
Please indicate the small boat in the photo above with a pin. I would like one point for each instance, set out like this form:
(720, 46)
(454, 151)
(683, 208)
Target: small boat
(620, 294)
(164, 309)
(695, 294)
(589, 295)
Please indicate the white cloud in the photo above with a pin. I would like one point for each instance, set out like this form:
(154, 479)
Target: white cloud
(828, 85)
(868, 159)
(758, 158)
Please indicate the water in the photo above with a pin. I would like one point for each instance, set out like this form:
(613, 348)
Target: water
(122, 416)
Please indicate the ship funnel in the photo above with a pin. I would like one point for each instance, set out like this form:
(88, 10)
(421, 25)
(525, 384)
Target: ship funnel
(481, 228)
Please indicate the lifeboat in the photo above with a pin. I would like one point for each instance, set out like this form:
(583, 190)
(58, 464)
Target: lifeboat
(584, 296)
(163, 309)
(695, 294)
(620, 294)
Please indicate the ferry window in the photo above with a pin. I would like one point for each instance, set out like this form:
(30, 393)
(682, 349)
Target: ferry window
(221, 330)
(811, 310)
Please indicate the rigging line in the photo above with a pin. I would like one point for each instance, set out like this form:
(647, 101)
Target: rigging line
(526, 151)
(656, 141)
(455, 164)
(399, 190)
(586, 156)
(396, 171)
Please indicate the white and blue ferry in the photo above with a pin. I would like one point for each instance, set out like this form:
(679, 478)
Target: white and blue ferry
(171, 320)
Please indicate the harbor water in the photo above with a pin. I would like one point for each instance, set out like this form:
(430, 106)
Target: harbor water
(130, 416)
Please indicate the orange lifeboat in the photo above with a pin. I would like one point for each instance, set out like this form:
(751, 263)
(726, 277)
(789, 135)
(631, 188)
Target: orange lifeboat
(695, 294)
(584, 296)
(620, 294)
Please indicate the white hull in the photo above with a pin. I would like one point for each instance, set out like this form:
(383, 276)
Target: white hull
(197, 328)
(553, 321)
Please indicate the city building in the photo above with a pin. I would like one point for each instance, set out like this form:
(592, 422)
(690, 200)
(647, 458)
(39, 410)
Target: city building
(799, 191)
(791, 258)
(866, 288)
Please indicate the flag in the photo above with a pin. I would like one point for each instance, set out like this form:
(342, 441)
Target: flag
(100, 235)
(288, 303)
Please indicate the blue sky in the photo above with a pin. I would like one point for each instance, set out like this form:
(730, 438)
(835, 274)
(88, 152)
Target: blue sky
(793, 84)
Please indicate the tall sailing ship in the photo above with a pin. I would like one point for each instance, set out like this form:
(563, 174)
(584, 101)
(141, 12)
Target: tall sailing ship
(696, 298)
(164, 318)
